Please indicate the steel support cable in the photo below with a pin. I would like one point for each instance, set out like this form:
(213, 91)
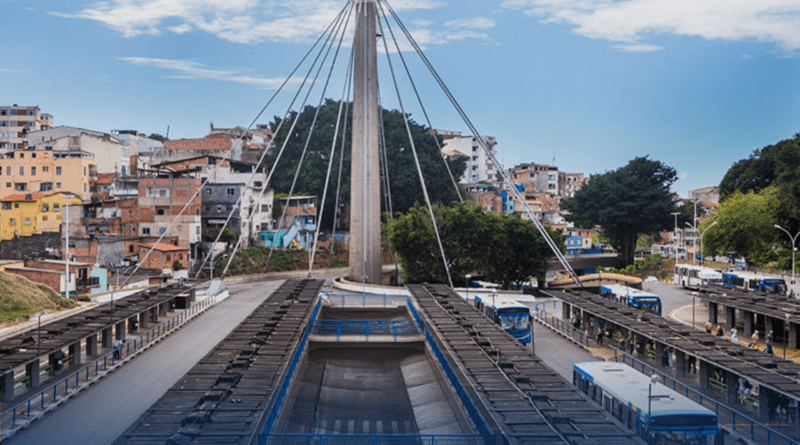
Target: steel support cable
(330, 165)
(339, 179)
(555, 248)
(224, 158)
(387, 191)
(343, 28)
(280, 125)
(422, 106)
(416, 162)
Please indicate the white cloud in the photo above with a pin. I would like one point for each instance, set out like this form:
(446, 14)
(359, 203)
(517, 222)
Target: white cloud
(774, 21)
(185, 69)
(240, 21)
(638, 48)
(470, 23)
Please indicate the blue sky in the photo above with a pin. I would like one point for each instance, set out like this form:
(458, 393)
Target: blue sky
(696, 84)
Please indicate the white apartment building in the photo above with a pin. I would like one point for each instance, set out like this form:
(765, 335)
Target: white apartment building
(480, 166)
(110, 155)
(17, 122)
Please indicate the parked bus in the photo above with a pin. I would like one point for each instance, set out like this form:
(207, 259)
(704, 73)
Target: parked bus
(755, 282)
(655, 412)
(510, 314)
(668, 251)
(690, 276)
(632, 297)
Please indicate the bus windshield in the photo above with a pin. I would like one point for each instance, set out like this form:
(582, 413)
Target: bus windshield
(518, 321)
(649, 304)
(683, 437)
(775, 287)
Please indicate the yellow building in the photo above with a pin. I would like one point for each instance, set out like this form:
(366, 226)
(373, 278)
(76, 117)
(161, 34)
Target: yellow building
(33, 213)
(46, 171)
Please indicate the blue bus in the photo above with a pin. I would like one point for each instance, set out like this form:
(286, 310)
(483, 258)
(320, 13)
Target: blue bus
(513, 316)
(755, 282)
(655, 412)
(632, 297)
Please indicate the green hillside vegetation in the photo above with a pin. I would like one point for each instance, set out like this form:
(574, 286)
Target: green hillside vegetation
(20, 298)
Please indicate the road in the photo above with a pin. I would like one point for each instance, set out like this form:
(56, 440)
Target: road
(676, 303)
(101, 413)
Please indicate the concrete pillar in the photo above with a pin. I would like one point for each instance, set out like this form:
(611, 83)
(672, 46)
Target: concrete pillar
(91, 345)
(32, 373)
(769, 325)
(144, 320)
(792, 336)
(659, 355)
(705, 372)
(730, 318)
(566, 312)
(732, 382)
(764, 395)
(154, 315)
(75, 352)
(365, 228)
(748, 323)
(640, 345)
(108, 337)
(121, 330)
(162, 309)
(712, 312)
(680, 364)
(132, 324)
(7, 387)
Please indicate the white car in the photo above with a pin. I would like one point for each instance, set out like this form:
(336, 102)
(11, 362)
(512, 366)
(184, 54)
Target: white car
(651, 279)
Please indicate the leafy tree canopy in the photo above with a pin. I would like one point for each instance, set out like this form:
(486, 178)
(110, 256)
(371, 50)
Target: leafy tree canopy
(625, 202)
(403, 180)
(505, 248)
(745, 226)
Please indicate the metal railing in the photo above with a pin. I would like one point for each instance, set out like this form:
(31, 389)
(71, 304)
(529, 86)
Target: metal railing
(737, 420)
(365, 300)
(363, 329)
(372, 439)
(560, 325)
(88, 373)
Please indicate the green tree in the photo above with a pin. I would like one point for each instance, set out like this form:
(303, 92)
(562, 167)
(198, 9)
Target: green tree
(518, 252)
(157, 137)
(404, 182)
(625, 202)
(745, 226)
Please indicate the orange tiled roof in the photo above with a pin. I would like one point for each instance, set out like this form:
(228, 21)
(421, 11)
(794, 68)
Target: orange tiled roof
(163, 247)
(24, 197)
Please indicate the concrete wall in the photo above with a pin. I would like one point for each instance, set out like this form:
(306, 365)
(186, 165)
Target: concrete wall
(23, 247)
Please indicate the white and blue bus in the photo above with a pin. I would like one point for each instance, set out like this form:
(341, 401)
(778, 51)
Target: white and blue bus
(513, 316)
(690, 276)
(655, 412)
(755, 282)
(632, 297)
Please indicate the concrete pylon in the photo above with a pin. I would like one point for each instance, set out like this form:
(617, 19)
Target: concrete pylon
(365, 188)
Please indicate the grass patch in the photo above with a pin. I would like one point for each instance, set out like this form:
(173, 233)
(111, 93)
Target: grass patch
(20, 298)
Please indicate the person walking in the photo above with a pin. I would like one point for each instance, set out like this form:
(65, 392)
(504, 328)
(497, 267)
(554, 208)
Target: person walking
(753, 340)
(599, 335)
(734, 334)
(720, 331)
(768, 343)
(708, 326)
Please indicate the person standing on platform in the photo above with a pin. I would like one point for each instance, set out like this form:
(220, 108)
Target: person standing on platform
(708, 326)
(734, 333)
(753, 340)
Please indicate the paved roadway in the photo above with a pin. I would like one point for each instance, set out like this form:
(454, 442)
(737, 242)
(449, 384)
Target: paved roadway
(101, 413)
(676, 303)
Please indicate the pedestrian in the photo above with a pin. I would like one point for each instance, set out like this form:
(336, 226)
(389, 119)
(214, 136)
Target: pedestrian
(768, 343)
(599, 335)
(734, 333)
(630, 344)
(720, 331)
(692, 364)
(575, 320)
(753, 340)
(708, 326)
(621, 341)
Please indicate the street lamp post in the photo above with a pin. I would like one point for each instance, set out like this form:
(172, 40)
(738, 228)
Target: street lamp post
(703, 258)
(469, 277)
(794, 249)
(694, 242)
(675, 214)
(785, 326)
(694, 295)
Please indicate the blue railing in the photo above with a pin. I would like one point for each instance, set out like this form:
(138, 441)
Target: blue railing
(766, 433)
(88, 373)
(372, 439)
(560, 325)
(378, 329)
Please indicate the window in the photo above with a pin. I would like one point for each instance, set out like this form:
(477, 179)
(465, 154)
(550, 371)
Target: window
(45, 169)
(162, 230)
(12, 222)
(22, 171)
(130, 248)
(46, 186)
(33, 171)
(58, 185)
(56, 207)
(208, 191)
(27, 221)
(180, 228)
(208, 208)
(21, 186)
(21, 155)
(168, 257)
(84, 171)
(257, 184)
(265, 208)
(84, 186)
(58, 171)
(44, 218)
(33, 155)
(231, 191)
(8, 171)
(145, 230)
(45, 207)
(6, 206)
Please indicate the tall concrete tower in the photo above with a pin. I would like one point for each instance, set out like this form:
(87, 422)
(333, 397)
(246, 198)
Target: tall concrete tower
(365, 188)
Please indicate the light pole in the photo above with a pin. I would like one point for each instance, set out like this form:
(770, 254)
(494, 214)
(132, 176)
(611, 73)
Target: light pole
(675, 214)
(694, 295)
(703, 258)
(785, 326)
(794, 249)
(468, 277)
(694, 241)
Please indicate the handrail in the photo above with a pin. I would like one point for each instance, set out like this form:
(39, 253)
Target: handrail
(634, 362)
(365, 328)
(560, 325)
(92, 369)
(374, 439)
